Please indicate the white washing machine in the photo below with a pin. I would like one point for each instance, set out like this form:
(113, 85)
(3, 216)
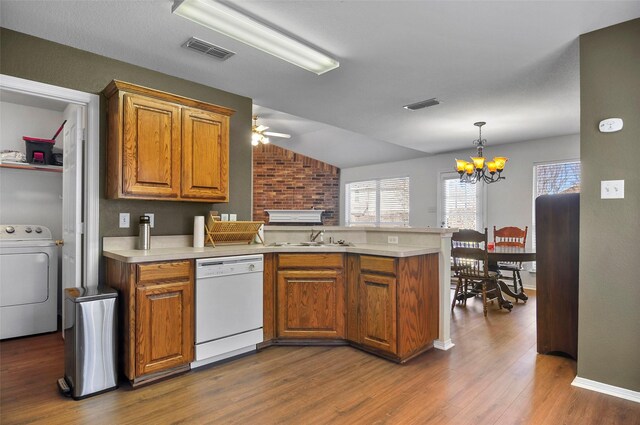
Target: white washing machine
(28, 281)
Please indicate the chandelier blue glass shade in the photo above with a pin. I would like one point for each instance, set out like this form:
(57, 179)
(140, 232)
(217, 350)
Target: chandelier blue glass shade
(478, 169)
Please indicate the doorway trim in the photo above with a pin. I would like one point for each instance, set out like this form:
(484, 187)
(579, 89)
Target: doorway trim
(91, 163)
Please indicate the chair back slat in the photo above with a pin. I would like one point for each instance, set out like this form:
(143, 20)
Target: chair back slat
(469, 254)
(510, 236)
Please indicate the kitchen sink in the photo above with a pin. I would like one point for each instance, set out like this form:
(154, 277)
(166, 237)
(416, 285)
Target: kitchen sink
(310, 244)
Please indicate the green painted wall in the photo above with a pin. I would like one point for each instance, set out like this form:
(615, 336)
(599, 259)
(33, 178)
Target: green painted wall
(40, 60)
(609, 316)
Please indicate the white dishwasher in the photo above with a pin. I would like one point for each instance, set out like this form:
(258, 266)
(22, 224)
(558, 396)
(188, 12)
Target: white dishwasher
(228, 307)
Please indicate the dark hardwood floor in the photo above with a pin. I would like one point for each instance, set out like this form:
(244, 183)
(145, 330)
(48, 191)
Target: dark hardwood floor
(492, 376)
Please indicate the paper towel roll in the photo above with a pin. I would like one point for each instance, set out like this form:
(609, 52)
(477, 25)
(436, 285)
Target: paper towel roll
(198, 231)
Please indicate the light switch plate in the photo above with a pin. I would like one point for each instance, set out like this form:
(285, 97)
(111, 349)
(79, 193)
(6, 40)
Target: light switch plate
(124, 220)
(151, 218)
(612, 189)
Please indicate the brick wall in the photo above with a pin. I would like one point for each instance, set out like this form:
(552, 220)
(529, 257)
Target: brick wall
(285, 180)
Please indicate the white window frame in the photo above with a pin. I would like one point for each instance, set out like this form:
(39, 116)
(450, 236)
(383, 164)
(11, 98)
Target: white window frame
(377, 222)
(481, 200)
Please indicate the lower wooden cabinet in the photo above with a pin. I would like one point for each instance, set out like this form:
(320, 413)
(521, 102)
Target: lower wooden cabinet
(310, 297)
(393, 304)
(156, 317)
(311, 304)
(163, 326)
(385, 305)
(377, 312)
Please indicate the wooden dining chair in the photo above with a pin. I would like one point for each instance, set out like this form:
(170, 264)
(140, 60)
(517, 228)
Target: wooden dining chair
(516, 238)
(470, 264)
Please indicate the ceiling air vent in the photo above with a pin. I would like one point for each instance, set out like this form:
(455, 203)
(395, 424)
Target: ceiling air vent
(422, 104)
(208, 49)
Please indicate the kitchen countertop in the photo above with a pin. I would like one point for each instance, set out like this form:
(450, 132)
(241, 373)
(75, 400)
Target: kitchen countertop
(365, 240)
(185, 252)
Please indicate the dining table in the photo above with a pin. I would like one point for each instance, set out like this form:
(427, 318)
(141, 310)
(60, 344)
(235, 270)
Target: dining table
(510, 254)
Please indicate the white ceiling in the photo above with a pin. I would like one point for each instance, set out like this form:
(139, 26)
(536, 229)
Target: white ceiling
(513, 64)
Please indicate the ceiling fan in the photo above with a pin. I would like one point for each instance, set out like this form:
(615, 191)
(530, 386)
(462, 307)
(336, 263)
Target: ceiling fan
(259, 135)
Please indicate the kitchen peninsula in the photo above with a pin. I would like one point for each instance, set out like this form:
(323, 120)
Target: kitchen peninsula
(389, 299)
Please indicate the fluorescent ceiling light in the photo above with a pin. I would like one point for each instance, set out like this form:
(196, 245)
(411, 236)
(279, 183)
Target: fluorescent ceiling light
(227, 21)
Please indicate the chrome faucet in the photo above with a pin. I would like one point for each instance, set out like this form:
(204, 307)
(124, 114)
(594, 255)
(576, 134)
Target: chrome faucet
(314, 235)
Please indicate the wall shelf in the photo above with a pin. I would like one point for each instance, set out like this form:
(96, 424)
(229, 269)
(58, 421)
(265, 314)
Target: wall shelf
(36, 167)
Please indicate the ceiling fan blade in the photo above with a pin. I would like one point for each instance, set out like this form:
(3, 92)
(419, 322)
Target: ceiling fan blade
(272, 134)
(261, 128)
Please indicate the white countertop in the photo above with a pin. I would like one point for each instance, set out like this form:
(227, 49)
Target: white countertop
(183, 253)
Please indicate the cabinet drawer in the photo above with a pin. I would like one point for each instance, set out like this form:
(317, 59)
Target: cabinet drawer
(322, 261)
(164, 272)
(384, 265)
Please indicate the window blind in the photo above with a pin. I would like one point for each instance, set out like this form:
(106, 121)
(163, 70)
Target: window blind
(460, 204)
(550, 179)
(377, 202)
(557, 177)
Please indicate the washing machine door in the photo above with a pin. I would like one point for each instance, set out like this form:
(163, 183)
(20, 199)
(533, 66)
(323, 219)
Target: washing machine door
(24, 278)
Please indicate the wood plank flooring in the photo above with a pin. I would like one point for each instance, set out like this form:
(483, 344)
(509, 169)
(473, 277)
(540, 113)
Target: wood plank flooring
(492, 376)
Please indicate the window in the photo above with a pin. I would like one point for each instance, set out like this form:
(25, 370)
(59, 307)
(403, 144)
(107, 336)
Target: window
(552, 178)
(377, 202)
(460, 203)
(556, 177)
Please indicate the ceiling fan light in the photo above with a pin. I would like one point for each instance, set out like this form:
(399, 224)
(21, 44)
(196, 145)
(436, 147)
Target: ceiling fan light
(264, 140)
(255, 137)
(255, 142)
(230, 22)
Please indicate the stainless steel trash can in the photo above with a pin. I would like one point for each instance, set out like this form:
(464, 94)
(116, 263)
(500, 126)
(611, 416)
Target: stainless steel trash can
(90, 341)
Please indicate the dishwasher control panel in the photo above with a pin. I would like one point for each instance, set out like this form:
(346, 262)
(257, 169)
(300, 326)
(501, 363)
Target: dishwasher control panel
(224, 266)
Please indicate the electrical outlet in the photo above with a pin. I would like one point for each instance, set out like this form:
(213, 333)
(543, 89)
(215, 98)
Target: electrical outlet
(124, 220)
(151, 218)
(392, 239)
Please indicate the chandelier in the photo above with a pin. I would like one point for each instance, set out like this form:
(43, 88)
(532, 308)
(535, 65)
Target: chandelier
(479, 170)
(257, 133)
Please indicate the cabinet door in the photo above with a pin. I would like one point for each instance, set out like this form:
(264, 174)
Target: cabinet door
(205, 155)
(164, 326)
(377, 312)
(311, 304)
(151, 148)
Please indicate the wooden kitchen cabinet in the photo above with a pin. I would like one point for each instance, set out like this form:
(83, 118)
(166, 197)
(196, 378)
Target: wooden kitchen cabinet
(156, 317)
(205, 165)
(393, 304)
(385, 305)
(151, 151)
(377, 312)
(310, 299)
(165, 147)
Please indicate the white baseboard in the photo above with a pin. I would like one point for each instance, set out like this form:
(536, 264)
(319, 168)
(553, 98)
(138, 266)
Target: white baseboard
(443, 345)
(606, 389)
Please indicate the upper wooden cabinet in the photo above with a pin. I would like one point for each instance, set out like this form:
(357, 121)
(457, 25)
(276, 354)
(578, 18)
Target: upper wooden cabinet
(165, 147)
(205, 165)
